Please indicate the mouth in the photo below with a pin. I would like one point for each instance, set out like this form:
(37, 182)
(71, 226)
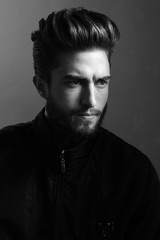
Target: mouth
(87, 116)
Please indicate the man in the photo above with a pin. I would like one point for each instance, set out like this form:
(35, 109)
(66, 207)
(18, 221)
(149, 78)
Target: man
(63, 176)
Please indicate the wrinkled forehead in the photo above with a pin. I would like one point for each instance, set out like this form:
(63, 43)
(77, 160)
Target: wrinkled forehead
(87, 63)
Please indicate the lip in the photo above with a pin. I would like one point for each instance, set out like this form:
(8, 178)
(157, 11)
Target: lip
(87, 116)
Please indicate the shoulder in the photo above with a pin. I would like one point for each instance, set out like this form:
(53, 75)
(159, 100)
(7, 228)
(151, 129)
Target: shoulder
(125, 157)
(118, 144)
(130, 172)
(15, 150)
(13, 135)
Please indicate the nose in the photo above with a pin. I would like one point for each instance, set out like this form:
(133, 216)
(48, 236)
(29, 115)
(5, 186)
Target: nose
(88, 96)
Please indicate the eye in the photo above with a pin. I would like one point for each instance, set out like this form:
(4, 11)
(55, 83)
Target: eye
(101, 83)
(74, 83)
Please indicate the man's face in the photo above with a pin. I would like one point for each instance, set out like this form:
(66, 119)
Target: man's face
(78, 91)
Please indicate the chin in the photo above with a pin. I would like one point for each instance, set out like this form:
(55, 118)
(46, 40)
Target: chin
(84, 130)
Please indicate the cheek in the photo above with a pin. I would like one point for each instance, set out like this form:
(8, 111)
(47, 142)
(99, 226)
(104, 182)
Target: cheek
(101, 98)
(68, 98)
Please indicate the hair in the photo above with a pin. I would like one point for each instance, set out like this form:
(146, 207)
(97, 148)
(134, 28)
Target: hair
(70, 31)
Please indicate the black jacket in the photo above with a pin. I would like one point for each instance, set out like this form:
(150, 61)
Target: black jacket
(101, 189)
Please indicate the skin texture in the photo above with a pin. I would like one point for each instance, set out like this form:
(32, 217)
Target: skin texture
(76, 98)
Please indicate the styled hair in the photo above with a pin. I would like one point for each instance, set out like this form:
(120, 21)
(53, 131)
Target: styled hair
(69, 31)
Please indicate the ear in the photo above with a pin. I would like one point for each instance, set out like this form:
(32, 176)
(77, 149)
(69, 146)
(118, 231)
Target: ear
(41, 86)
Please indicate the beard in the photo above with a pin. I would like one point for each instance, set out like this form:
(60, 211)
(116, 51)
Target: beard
(72, 123)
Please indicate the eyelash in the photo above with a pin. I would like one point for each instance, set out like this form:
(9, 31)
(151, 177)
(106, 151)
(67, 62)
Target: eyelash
(76, 83)
(102, 81)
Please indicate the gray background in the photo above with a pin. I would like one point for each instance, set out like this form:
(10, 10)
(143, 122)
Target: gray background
(134, 112)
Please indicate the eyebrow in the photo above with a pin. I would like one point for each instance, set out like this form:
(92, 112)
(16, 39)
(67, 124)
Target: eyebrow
(72, 77)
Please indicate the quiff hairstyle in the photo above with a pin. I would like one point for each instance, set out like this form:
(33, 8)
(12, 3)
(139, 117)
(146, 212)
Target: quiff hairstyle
(69, 31)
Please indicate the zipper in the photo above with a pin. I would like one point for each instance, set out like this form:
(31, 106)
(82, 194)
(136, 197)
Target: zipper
(63, 163)
(58, 195)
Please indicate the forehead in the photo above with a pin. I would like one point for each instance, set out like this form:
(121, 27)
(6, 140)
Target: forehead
(88, 62)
